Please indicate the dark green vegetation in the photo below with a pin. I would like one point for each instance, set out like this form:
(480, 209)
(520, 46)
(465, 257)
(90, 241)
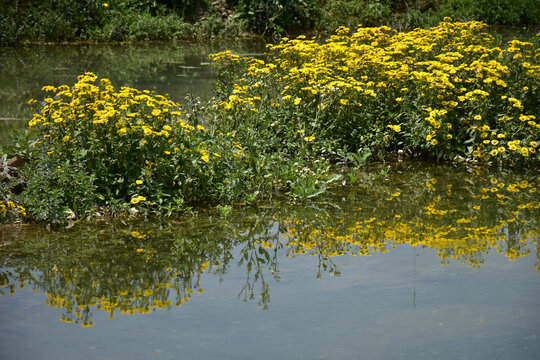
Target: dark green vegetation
(145, 20)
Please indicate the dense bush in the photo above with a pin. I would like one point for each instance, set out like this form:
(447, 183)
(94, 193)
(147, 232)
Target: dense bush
(504, 12)
(277, 16)
(123, 20)
(50, 20)
(352, 13)
(95, 150)
(129, 20)
(439, 93)
(135, 26)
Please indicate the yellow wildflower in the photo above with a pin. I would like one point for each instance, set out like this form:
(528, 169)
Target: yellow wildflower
(137, 199)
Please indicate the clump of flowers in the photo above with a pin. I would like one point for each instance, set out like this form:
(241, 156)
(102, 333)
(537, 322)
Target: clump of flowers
(10, 211)
(137, 148)
(443, 92)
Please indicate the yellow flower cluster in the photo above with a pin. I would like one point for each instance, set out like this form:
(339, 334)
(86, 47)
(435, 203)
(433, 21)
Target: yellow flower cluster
(10, 208)
(137, 199)
(378, 80)
(130, 137)
(89, 106)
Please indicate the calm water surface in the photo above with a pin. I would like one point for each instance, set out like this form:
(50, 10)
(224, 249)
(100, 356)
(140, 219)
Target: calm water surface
(412, 262)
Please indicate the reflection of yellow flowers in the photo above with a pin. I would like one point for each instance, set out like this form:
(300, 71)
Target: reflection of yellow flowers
(463, 235)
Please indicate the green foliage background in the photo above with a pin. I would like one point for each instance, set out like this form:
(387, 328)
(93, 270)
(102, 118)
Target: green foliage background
(159, 20)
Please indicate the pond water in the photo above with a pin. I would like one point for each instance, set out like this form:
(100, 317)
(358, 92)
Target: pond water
(412, 262)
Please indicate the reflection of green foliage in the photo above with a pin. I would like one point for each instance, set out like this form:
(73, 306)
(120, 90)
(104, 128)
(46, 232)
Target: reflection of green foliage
(113, 270)
(143, 267)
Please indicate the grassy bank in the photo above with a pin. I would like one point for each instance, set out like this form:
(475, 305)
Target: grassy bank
(314, 113)
(23, 21)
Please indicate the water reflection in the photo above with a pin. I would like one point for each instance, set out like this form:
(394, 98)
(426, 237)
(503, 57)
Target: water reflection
(136, 268)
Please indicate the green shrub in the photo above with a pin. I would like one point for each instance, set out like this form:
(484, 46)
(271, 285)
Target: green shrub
(58, 190)
(51, 20)
(351, 13)
(277, 16)
(504, 12)
(142, 26)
